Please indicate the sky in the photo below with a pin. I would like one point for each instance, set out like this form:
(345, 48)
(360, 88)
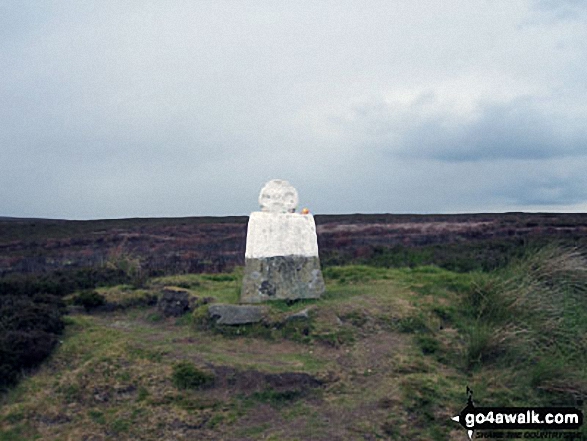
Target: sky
(146, 108)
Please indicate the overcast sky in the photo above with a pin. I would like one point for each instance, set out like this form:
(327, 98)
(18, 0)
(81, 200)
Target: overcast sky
(144, 108)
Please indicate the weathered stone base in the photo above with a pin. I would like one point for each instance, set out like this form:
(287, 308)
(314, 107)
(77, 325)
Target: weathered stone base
(281, 278)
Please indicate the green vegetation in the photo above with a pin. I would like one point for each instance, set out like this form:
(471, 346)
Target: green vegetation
(532, 318)
(30, 326)
(386, 353)
(276, 398)
(460, 257)
(187, 376)
(31, 309)
(89, 299)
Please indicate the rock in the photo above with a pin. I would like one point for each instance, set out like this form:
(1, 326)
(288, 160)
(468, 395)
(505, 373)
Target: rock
(301, 315)
(173, 302)
(101, 394)
(236, 314)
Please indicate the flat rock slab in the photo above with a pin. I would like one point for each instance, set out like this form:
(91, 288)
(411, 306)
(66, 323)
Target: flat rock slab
(236, 314)
(301, 315)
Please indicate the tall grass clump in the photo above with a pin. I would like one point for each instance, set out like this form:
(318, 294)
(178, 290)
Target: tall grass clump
(531, 318)
(127, 263)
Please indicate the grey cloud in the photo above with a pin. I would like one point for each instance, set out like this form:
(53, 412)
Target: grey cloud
(144, 108)
(519, 129)
(432, 186)
(514, 131)
(548, 12)
(563, 8)
(545, 190)
(18, 18)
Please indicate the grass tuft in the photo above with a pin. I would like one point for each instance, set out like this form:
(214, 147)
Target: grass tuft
(89, 299)
(187, 376)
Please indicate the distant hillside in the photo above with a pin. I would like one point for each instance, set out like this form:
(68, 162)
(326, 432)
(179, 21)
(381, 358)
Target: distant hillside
(216, 244)
(22, 219)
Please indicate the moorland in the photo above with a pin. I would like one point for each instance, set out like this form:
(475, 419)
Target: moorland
(417, 308)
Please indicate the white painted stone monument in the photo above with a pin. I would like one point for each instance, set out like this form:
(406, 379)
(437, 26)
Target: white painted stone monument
(281, 256)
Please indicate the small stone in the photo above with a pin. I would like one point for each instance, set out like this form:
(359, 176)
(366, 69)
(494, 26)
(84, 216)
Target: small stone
(102, 397)
(301, 315)
(236, 314)
(174, 302)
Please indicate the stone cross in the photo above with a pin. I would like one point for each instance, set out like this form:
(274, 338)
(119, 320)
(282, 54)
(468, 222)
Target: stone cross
(281, 256)
(278, 197)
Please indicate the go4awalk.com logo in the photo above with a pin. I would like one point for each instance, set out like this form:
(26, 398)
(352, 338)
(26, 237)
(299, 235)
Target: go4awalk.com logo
(520, 422)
